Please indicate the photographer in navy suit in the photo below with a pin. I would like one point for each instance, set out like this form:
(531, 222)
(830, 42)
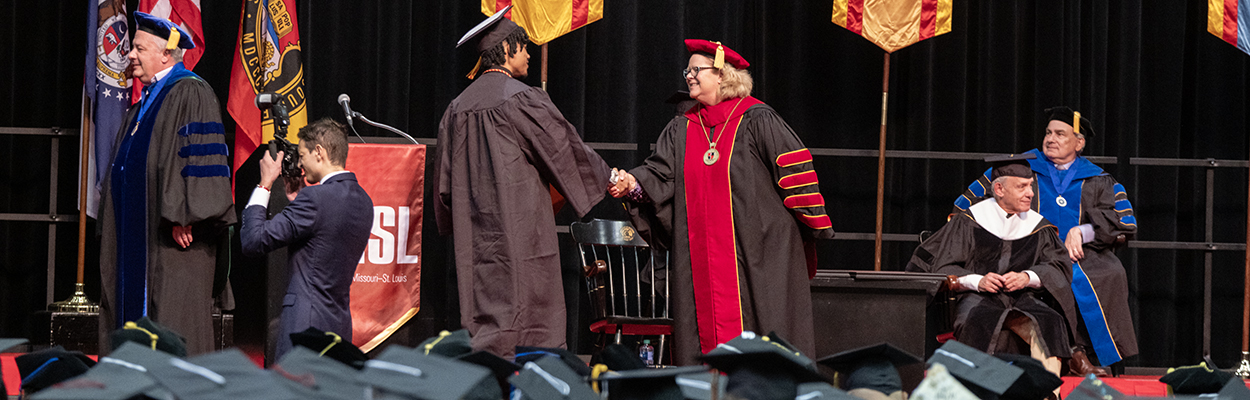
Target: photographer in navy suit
(326, 227)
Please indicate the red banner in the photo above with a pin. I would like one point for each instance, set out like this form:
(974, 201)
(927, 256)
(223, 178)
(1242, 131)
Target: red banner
(386, 291)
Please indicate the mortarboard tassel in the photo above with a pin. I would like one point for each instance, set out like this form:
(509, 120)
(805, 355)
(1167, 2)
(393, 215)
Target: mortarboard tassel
(174, 38)
(720, 56)
(1076, 122)
(153, 336)
(477, 66)
(337, 340)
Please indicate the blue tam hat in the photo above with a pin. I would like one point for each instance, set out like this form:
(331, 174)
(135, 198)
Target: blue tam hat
(164, 29)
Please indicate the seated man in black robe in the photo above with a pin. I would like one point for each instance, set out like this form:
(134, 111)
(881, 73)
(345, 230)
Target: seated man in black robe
(1013, 271)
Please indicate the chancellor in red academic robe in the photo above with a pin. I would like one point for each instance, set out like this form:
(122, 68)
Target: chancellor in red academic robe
(732, 192)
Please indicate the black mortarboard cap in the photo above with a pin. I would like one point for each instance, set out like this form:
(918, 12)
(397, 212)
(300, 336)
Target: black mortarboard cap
(1196, 379)
(618, 358)
(873, 367)
(647, 383)
(939, 383)
(1066, 115)
(164, 29)
(150, 334)
(502, 369)
(491, 32)
(330, 344)
(227, 374)
(1035, 383)
(6, 343)
(1093, 388)
(329, 378)
(980, 372)
(144, 357)
(698, 385)
(527, 353)
(48, 367)
(110, 379)
(409, 373)
(821, 391)
(549, 378)
(764, 352)
(1010, 165)
(1234, 389)
(447, 344)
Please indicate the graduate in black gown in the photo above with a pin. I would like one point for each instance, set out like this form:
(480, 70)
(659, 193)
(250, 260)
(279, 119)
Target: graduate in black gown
(732, 191)
(1014, 273)
(501, 145)
(166, 198)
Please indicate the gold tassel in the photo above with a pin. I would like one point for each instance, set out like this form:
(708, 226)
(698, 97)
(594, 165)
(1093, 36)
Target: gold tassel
(720, 56)
(1076, 122)
(473, 73)
(599, 369)
(153, 336)
(174, 37)
(337, 340)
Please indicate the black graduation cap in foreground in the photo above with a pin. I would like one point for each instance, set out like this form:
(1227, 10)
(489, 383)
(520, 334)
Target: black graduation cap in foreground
(409, 373)
(871, 367)
(761, 367)
(821, 391)
(983, 374)
(227, 374)
(1234, 389)
(698, 385)
(447, 344)
(1196, 379)
(618, 357)
(48, 367)
(328, 378)
(1093, 388)
(502, 369)
(647, 383)
(1035, 383)
(151, 334)
(330, 345)
(549, 378)
(110, 379)
(526, 354)
(1016, 165)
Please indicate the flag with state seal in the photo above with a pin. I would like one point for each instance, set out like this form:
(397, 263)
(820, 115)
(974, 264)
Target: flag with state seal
(266, 60)
(106, 89)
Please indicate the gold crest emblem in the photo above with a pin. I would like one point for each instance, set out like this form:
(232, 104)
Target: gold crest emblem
(627, 233)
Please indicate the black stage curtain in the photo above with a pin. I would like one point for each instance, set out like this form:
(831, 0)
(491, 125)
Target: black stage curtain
(1154, 82)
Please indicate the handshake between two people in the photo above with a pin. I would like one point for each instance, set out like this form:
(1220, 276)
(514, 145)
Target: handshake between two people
(622, 183)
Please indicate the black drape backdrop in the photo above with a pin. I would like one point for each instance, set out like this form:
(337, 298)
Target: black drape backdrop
(1149, 76)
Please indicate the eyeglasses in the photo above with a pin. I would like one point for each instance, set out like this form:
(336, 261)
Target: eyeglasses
(695, 70)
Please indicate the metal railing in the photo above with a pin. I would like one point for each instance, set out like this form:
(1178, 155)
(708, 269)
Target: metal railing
(53, 217)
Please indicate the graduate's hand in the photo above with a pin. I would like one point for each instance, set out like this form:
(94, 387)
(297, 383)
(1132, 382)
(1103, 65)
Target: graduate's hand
(182, 235)
(625, 183)
(1014, 281)
(990, 283)
(292, 186)
(1074, 243)
(270, 169)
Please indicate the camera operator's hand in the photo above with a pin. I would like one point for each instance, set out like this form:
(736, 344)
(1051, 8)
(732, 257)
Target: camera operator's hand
(270, 169)
(293, 184)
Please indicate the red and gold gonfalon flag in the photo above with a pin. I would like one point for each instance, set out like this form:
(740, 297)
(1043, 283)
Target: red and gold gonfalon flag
(894, 24)
(545, 20)
(1229, 20)
(266, 60)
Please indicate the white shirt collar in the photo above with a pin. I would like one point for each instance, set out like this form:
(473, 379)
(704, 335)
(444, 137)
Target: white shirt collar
(1065, 166)
(327, 177)
(161, 75)
(994, 219)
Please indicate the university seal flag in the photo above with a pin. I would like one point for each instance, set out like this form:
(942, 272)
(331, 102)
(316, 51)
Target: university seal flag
(106, 88)
(893, 24)
(1229, 20)
(266, 60)
(545, 20)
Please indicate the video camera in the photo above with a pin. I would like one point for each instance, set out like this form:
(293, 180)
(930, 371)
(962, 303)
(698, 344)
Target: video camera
(281, 120)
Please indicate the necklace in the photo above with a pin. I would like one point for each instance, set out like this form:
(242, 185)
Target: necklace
(712, 155)
(502, 71)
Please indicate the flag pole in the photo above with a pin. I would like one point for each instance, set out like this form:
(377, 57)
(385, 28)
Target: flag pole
(543, 72)
(79, 302)
(885, 94)
(1244, 370)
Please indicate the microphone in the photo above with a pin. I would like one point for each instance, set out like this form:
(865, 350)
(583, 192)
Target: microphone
(347, 109)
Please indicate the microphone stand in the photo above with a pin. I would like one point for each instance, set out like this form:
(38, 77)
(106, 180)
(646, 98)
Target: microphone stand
(383, 126)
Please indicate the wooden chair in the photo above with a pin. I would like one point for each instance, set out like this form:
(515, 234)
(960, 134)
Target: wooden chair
(626, 279)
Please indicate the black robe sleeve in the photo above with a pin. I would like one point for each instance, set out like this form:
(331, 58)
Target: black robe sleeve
(195, 172)
(658, 178)
(556, 149)
(780, 149)
(947, 250)
(1108, 210)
